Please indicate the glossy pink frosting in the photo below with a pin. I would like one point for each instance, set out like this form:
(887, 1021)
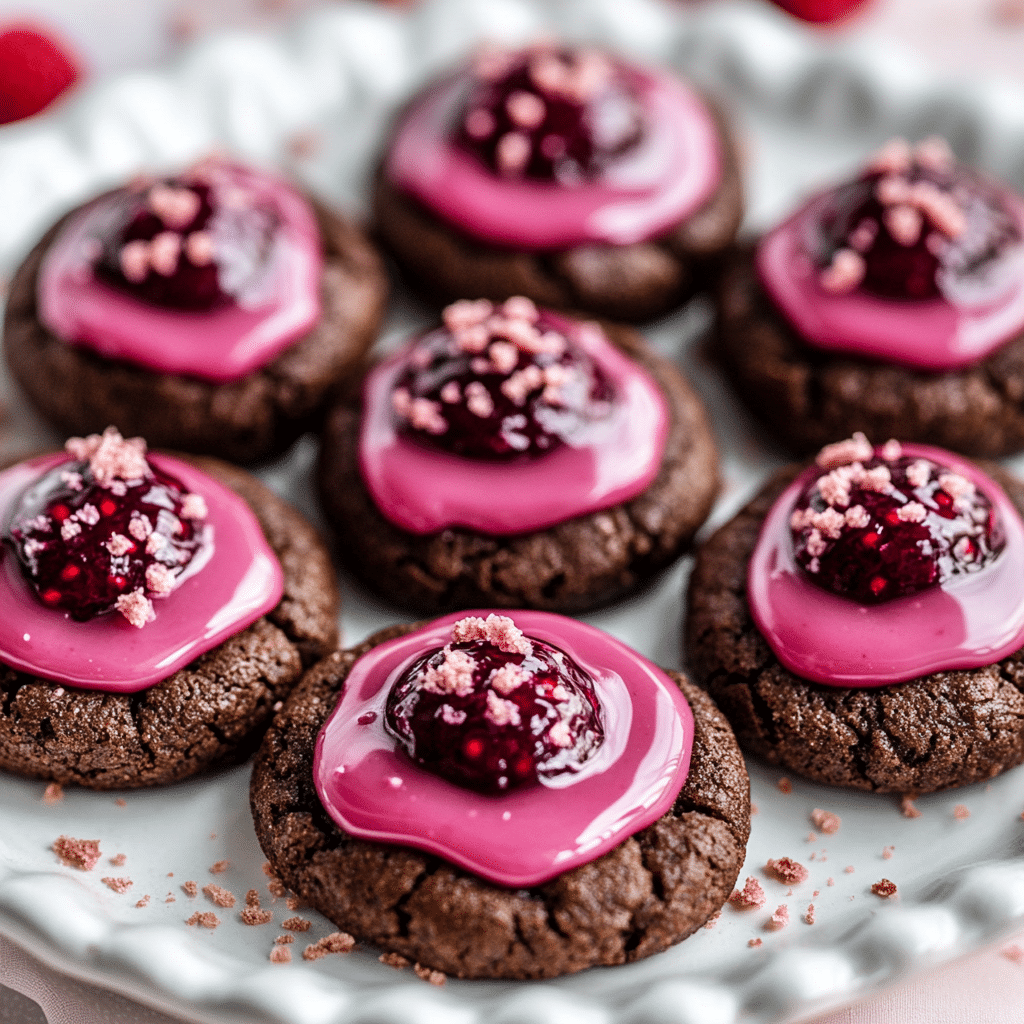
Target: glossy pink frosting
(221, 345)
(241, 581)
(649, 190)
(932, 334)
(528, 836)
(972, 620)
(424, 491)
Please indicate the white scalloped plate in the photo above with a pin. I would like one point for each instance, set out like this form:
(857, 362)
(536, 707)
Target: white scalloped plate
(807, 113)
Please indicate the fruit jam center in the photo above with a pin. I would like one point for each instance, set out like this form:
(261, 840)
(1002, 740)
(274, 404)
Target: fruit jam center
(549, 114)
(498, 382)
(188, 243)
(913, 226)
(494, 719)
(87, 548)
(885, 526)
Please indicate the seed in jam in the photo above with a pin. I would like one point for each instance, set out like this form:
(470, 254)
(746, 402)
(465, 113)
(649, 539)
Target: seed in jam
(108, 531)
(878, 524)
(549, 113)
(498, 382)
(195, 242)
(495, 710)
(913, 226)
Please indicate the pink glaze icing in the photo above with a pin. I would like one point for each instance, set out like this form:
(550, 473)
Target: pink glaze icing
(942, 333)
(672, 171)
(525, 837)
(424, 491)
(220, 345)
(971, 621)
(241, 581)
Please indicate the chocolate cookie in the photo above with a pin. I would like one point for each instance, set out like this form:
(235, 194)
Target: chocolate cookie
(250, 418)
(579, 563)
(211, 713)
(946, 729)
(649, 892)
(542, 94)
(807, 397)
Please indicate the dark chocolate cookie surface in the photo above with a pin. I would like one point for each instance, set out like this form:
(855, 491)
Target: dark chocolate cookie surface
(580, 563)
(212, 712)
(808, 397)
(936, 732)
(651, 891)
(243, 420)
(630, 282)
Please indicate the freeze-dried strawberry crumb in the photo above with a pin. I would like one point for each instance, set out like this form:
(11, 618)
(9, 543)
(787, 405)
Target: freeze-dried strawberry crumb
(961, 812)
(144, 902)
(849, 869)
(119, 802)
(53, 794)
(77, 853)
(434, 977)
(395, 960)
(252, 898)
(221, 897)
(750, 897)
(884, 888)
(785, 786)
(219, 867)
(190, 888)
(255, 916)
(825, 821)
(336, 942)
(294, 903)
(284, 940)
(809, 916)
(907, 808)
(787, 871)
(887, 852)
(170, 898)
(753, 809)
(1014, 952)
(118, 859)
(754, 943)
(296, 924)
(204, 919)
(276, 887)
(267, 868)
(778, 920)
(119, 885)
(831, 882)
(712, 920)
(280, 955)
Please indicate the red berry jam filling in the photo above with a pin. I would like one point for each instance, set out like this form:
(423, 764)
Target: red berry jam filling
(194, 242)
(498, 382)
(107, 531)
(880, 524)
(494, 710)
(549, 113)
(913, 226)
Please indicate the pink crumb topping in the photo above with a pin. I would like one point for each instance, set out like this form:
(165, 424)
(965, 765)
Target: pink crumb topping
(119, 885)
(190, 888)
(118, 859)
(203, 919)
(454, 675)
(785, 786)
(429, 975)
(395, 960)
(499, 630)
(221, 897)
(750, 897)
(961, 812)
(887, 852)
(175, 206)
(1014, 953)
(110, 456)
(136, 608)
(280, 955)
(809, 916)
(908, 809)
(144, 902)
(284, 940)
(778, 920)
(220, 866)
(77, 853)
(884, 888)
(842, 453)
(193, 506)
(336, 942)
(296, 924)
(255, 916)
(787, 871)
(755, 943)
(53, 794)
(825, 821)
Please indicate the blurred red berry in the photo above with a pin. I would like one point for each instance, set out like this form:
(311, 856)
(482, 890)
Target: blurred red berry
(820, 10)
(35, 69)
